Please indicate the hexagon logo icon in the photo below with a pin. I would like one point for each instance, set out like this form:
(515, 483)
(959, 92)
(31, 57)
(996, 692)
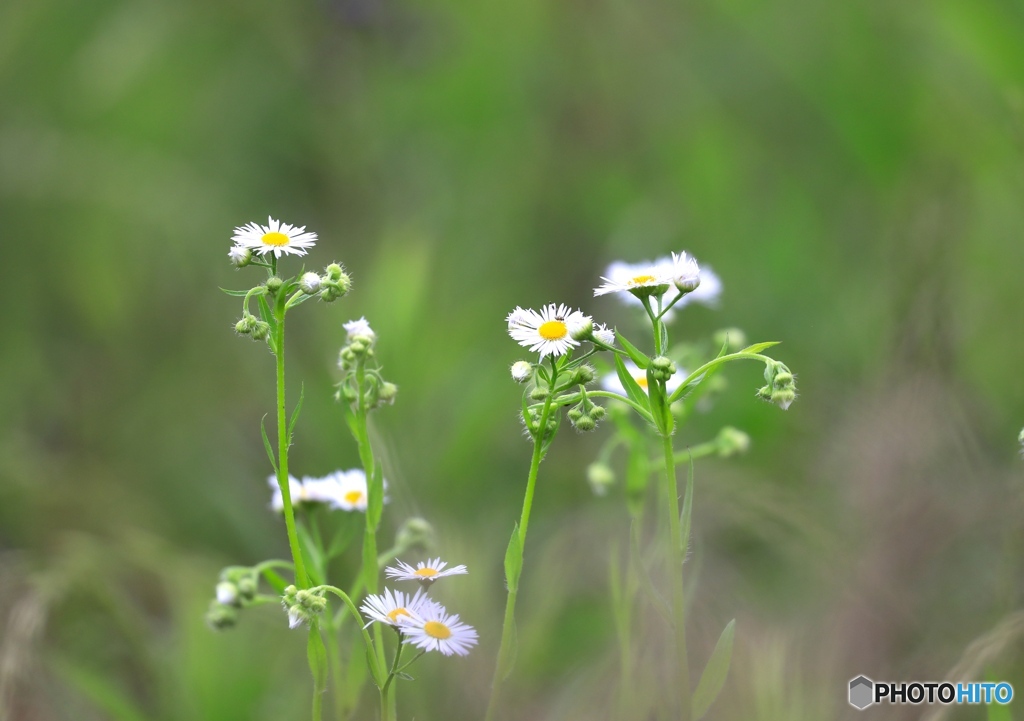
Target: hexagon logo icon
(862, 692)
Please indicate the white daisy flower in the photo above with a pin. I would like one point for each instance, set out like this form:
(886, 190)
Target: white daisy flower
(604, 334)
(425, 572)
(438, 630)
(637, 279)
(670, 270)
(396, 608)
(548, 332)
(275, 237)
(611, 382)
(521, 371)
(350, 493)
(359, 327)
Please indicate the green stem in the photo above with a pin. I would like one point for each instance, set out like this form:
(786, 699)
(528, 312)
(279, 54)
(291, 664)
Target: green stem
(740, 355)
(681, 679)
(301, 579)
(385, 705)
(337, 677)
(701, 450)
(508, 628)
(371, 656)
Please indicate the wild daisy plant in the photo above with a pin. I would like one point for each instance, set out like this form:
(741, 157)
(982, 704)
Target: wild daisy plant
(651, 386)
(316, 535)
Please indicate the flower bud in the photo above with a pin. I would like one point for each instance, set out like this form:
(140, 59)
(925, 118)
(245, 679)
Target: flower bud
(309, 283)
(334, 271)
(604, 334)
(663, 368)
(582, 330)
(686, 273)
(274, 284)
(598, 412)
(227, 594)
(240, 256)
(414, 533)
(387, 392)
(574, 414)
(220, 617)
(732, 441)
(539, 393)
(584, 423)
(783, 397)
(521, 371)
(600, 476)
(261, 330)
(247, 588)
(585, 374)
(242, 327)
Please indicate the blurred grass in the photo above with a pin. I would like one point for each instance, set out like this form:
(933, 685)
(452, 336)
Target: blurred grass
(852, 171)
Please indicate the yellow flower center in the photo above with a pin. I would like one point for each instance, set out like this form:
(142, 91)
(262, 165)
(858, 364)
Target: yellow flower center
(393, 615)
(641, 279)
(354, 497)
(641, 381)
(275, 238)
(426, 572)
(436, 629)
(553, 330)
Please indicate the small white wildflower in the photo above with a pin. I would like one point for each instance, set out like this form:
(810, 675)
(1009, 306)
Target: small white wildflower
(440, 631)
(685, 272)
(310, 283)
(274, 237)
(396, 608)
(628, 279)
(240, 255)
(604, 334)
(521, 371)
(425, 572)
(547, 332)
(361, 327)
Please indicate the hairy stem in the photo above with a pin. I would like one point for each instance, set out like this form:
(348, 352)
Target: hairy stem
(681, 681)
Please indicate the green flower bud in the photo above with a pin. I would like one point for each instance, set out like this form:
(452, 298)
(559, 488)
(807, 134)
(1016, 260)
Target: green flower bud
(539, 393)
(664, 364)
(600, 476)
(334, 271)
(260, 330)
(387, 392)
(584, 423)
(220, 617)
(732, 441)
(574, 415)
(414, 533)
(328, 293)
(274, 284)
(240, 256)
(247, 588)
(598, 412)
(585, 374)
(783, 379)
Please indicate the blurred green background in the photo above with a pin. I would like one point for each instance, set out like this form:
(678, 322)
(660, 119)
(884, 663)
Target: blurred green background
(853, 172)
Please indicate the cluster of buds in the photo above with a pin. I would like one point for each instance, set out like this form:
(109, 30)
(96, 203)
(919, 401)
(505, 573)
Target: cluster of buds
(532, 422)
(236, 588)
(252, 326)
(663, 368)
(585, 415)
(334, 283)
(359, 377)
(781, 385)
(302, 605)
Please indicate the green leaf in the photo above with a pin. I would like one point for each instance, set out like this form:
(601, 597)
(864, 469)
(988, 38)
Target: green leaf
(275, 581)
(633, 389)
(635, 354)
(236, 293)
(404, 676)
(316, 653)
(514, 560)
(715, 673)
(265, 313)
(266, 443)
(295, 413)
(659, 408)
(758, 347)
(375, 496)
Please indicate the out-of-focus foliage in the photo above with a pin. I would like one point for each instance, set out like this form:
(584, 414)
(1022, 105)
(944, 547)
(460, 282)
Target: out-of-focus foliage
(851, 170)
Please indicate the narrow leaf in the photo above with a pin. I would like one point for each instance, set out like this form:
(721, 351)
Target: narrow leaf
(266, 443)
(635, 354)
(275, 580)
(513, 560)
(404, 676)
(265, 313)
(375, 496)
(633, 389)
(715, 673)
(236, 293)
(295, 413)
(659, 408)
(316, 653)
(684, 520)
(312, 553)
(758, 347)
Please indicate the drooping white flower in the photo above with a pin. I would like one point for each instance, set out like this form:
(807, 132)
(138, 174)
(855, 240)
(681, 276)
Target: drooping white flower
(438, 630)
(521, 371)
(359, 327)
(604, 334)
(396, 608)
(611, 382)
(274, 237)
(425, 572)
(548, 332)
(673, 271)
